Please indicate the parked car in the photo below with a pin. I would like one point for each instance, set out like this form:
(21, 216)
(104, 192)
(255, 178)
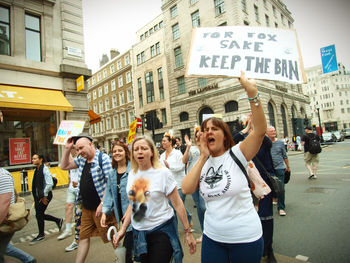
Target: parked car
(347, 132)
(339, 135)
(328, 137)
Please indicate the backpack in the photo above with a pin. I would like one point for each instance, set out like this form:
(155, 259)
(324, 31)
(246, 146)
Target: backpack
(54, 179)
(314, 145)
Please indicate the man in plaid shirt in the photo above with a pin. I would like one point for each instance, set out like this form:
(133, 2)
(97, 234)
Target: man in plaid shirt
(94, 169)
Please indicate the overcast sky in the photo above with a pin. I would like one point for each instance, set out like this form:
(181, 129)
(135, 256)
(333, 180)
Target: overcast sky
(113, 24)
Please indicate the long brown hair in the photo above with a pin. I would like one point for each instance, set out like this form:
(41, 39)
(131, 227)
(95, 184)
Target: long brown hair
(228, 141)
(126, 150)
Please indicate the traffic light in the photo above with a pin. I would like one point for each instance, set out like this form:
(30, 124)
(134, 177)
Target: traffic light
(157, 123)
(149, 121)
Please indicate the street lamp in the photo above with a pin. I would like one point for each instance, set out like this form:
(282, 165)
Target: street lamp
(319, 118)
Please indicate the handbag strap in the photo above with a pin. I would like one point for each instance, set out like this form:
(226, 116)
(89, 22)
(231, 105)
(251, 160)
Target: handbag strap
(238, 162)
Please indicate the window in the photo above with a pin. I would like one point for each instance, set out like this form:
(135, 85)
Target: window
(94, 95)
(157, 48)
(173, 11)
(143, 58)
(139, 84)
(102, 125)
(112, 85)
(153, 51)
(100, 92)
(108, 123)
(120, 81)
(101, 106)
(33, 37)
(246, 23)
(130, 95)
(97, 127)
(183, 116)
(244, 5)
(202, 82)
(123, 119)
(141, 37)
(114, 101)
(282, 19)
(178, 57)
(342, 111)
(160, 83)
(161, 24)
(150, 31)
(121, 98)
(156, 27)
(181, 85)
(5, 31)
(107, 104)
(256, 12)
(146, 34)
(111, 68)
(89, 97)
(105, 73)
(176, 31)
(128, 77)
(106, 88)
(131, 116)
(119, 64)
(219, 7)
(265, 4)
(116, 122)
(149, 87)
(93, 80)
(195, 19)
(99, 76)
(231, 106)
(267, 19)
(192, 2)
(127, 60)
(164, 118)
(276, 25)
(138, 59)
(95, 108)
(274, 10)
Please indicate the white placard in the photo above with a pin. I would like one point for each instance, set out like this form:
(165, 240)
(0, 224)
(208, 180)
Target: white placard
(262, 52)
(68, 129)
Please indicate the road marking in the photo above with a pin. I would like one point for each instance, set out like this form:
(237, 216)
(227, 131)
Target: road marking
(302, 258)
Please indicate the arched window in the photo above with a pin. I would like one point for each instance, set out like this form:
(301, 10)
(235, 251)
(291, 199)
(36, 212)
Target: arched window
(183, 116)
(205, 110)
(271, 114)
(284, 120)
(231, 106)
(294, 112)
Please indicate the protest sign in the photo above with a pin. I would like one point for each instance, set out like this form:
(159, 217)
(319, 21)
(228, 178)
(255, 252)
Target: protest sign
(329, 59)
(19, 151)
(68, 129)
(263, 53)
(132, 131)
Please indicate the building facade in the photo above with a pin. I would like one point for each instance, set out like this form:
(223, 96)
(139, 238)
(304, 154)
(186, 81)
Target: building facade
(110, 95)
(329, 98)
(41, 56)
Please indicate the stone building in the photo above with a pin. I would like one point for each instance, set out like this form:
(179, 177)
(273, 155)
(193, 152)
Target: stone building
(330, 96)
(110, 95)
(41, 56)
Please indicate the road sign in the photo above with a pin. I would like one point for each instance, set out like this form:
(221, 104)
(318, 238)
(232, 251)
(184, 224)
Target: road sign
(329, 59)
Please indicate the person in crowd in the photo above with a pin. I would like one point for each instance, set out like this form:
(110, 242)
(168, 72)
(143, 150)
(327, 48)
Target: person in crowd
(94, 169)
(116, 198)
(72, 196)
(77, 224)
(150, 187)
(173, 160)
(285, 142)
(190, 157)
(179, 146)
(41, 189)
(311, 160)
(280, 164)
(23, 256)
(7, 197)
(232, 229)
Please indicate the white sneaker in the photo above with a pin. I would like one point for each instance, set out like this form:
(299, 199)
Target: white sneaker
(72, 246)
(66, 233)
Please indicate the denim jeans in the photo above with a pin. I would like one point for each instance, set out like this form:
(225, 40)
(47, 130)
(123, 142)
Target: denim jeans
(213, 251)
(19, 254)
(183, 198)
(200, 204)
(280, 203)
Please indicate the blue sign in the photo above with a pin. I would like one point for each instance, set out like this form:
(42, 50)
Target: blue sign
(329, 59)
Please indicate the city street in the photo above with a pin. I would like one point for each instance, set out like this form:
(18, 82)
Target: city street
(315, 228)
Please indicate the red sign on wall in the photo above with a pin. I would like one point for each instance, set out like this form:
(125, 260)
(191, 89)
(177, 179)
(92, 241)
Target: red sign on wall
(19, 150)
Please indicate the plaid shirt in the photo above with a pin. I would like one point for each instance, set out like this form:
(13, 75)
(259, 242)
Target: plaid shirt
(99, 178)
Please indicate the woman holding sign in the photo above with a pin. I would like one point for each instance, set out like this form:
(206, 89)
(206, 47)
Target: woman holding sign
(232, 228)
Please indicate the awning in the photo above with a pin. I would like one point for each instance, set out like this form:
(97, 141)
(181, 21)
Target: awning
(94, 118)
(32, 98)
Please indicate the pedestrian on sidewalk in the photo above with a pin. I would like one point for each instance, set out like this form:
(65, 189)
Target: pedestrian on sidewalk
(190, 157)
(280, 164)
(116, 198)
(311, 159)
(21, 255)
(72, 196)
(94, 169)
(232, 229)
(42, 193)
(150, 187)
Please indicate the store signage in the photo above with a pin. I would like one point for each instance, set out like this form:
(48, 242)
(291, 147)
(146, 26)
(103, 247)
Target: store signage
(19, 151)
(329, 59)
(132, 131)
(68, 129)
(80, 83)
(204, 89)
(261, 52)
(73, 51)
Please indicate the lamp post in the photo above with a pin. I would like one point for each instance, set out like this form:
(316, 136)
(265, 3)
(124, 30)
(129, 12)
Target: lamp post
(319, 119)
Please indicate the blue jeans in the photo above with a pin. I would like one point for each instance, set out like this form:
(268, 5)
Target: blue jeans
(213, 251)
(189, 216)
(200, 204)
(281, 198)
(19, 254)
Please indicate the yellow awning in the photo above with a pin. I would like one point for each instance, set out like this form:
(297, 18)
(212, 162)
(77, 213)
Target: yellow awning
(31, 98)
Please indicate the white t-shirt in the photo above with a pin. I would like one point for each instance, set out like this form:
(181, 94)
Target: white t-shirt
(73, 176)
(176, 166)
(230, 216)
(161, 184)
(193, 158)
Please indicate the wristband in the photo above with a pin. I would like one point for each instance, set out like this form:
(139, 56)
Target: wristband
(188, 230)
(255, 99)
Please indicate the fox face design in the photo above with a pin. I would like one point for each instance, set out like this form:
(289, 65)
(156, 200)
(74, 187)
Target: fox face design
(212, 177)
(139, 195)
